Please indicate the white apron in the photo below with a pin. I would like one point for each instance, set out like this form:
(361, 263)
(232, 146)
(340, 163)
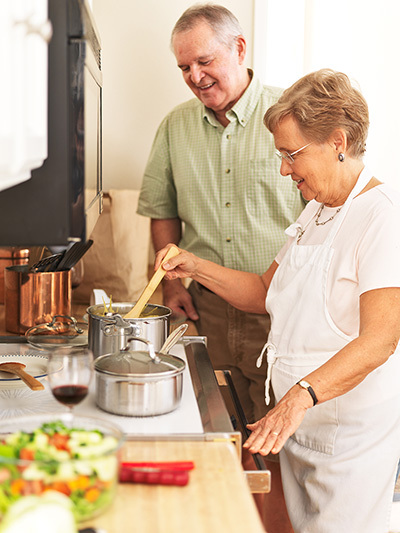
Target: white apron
(338, 468)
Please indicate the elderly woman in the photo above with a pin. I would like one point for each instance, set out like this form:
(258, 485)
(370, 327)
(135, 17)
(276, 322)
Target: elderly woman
(333, 294)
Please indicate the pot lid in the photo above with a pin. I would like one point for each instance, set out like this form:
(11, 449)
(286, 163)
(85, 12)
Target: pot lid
(139, 362)
(62, 331)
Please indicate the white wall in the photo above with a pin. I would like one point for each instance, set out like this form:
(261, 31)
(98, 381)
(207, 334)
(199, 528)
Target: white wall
(358, 37)
(141, 79)
(292, 37)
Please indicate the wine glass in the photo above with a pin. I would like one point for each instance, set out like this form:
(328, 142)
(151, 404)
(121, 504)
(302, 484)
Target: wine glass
(70, 371)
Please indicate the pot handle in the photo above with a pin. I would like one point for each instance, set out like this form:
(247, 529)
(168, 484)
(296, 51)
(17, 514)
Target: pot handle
(150, 348)
(73, 321)
(113, 324)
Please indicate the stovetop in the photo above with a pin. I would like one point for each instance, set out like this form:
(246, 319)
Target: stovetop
(21, 401)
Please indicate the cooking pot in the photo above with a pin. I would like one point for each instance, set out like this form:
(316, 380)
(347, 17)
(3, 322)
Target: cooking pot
(138, 382)
(8, 257)
(108, 333)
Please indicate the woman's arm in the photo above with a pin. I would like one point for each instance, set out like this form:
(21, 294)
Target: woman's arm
(243, 290)
(378, 339)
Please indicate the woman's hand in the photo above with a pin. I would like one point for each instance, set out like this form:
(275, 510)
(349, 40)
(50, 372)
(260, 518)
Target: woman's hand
(183, 265)
(270, 433)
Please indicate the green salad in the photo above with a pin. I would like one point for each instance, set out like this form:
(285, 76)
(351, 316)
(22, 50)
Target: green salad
(76, 462)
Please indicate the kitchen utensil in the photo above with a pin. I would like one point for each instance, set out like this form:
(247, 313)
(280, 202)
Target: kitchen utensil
(173, 338)
(162, 465)
(35, 365)
(74, 254)
(62, 331)
(131, 383)
(99, 296)
(109, 334)
(154, 476)
(47, 264)
(86, 469)
(35, 254)
(33, 298)
(18, 369)
(151, 286)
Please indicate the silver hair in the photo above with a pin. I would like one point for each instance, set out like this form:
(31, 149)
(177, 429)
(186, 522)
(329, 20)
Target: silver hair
(225, 25)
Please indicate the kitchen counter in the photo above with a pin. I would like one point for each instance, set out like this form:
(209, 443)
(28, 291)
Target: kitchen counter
(216, 499)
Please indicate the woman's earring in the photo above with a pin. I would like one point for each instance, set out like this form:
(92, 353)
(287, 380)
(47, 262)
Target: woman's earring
(341, 157)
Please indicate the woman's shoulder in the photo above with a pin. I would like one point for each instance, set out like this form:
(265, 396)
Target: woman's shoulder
(380, 198)
(376, 210)
(388, 194)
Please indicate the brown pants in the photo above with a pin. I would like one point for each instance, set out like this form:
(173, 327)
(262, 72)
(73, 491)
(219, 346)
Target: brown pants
(234, 342)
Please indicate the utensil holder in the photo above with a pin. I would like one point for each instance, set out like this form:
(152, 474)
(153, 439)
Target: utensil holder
(33, 298)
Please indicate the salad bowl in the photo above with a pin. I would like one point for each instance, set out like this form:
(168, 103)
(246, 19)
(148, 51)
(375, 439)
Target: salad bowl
(75, 455)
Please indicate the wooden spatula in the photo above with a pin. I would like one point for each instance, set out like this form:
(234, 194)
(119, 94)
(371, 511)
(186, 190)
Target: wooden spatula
(151, 286)
(18, 369)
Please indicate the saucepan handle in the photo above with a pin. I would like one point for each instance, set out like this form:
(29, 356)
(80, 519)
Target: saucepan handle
(150, 347)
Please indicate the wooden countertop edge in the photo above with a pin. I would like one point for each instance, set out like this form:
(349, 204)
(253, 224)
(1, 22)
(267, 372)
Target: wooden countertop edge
(216, 498)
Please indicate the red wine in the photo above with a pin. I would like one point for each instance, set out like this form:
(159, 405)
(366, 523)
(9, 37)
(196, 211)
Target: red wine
(70, 394)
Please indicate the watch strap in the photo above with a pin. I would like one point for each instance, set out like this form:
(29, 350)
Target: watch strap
(305, 385)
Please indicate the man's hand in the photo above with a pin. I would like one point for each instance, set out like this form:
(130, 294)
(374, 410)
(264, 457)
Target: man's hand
(178, 299)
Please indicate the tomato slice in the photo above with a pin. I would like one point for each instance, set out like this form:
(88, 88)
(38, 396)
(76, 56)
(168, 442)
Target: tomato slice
(26, 454)
(59, 441)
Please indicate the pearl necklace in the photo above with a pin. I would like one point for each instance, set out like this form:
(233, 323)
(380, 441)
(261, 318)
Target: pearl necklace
(317, 222)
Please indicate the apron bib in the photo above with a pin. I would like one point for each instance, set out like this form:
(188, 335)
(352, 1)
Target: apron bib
(302, 338)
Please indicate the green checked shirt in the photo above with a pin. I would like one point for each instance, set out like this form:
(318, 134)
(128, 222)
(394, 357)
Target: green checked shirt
(223, 183)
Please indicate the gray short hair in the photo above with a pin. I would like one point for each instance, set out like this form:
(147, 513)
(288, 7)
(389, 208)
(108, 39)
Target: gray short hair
(320, 102)
(225, 25)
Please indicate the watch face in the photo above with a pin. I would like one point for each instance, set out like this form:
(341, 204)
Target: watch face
(304, 384)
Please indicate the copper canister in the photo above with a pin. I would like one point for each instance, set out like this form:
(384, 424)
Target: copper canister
(33, 298)
(8, 257)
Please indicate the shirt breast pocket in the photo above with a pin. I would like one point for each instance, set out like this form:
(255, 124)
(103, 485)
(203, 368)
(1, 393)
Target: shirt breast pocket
(265, 188)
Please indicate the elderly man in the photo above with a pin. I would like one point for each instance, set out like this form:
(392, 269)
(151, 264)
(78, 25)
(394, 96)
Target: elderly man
(212, 186)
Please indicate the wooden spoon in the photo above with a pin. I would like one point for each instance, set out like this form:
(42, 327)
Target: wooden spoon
(18, 369)
(151, 286)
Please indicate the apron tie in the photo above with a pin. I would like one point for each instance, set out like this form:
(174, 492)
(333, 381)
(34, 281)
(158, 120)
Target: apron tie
(294, 229)
(270, 350)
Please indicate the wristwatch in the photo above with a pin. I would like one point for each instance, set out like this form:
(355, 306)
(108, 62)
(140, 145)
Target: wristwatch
(303, 383)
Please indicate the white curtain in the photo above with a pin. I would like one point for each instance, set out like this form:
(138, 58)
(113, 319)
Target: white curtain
(358, 37)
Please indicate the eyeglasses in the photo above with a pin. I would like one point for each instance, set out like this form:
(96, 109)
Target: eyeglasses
(289, 157)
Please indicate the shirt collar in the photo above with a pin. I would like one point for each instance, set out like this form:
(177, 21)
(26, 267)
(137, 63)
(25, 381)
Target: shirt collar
(244, 107)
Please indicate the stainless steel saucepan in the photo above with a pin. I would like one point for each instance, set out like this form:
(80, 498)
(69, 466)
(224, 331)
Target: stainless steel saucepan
(139, 382)
(109, 332)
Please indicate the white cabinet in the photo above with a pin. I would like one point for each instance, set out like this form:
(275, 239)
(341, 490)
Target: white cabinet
(24, 35)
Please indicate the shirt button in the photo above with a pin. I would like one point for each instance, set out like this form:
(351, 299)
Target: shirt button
(228, 204)
(228, 136)
(228, 239)
(227, 170)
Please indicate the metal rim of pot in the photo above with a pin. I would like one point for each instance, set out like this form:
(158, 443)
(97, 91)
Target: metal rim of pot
(178, 365)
